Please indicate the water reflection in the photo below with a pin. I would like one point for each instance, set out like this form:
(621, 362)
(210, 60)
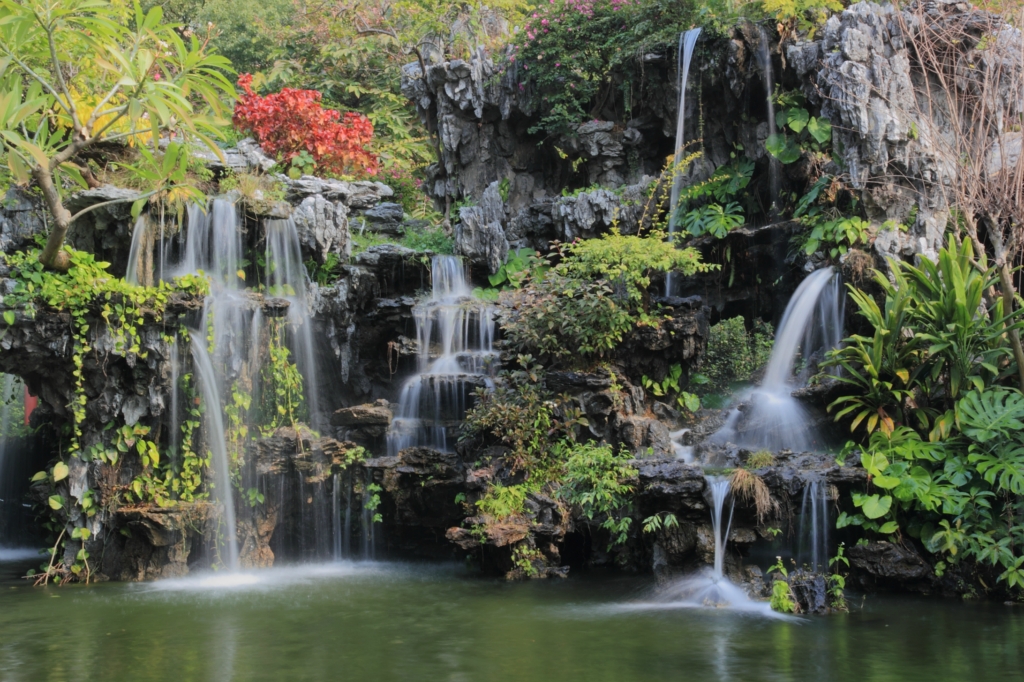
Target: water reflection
(388, 622)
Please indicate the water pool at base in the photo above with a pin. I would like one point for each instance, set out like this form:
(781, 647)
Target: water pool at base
(384, 622)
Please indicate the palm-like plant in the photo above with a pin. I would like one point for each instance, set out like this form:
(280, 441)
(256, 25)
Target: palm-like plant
(76, 73)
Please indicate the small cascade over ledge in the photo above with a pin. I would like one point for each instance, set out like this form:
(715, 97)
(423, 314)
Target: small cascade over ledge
(455, 336)
(812, 324)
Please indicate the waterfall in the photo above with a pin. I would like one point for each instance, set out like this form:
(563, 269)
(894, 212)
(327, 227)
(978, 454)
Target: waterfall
(711, 587)
(286, 277)
(336, 550)
(812, 322)
(213, 423)
(813, 545)
(455, 333)
(719, 487)
(687, 41)
(682, 452)
(764, 62)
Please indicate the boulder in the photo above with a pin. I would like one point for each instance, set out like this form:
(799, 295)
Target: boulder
(376, 414)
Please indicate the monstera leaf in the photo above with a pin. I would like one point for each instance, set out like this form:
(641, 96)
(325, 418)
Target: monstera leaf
(995, 413)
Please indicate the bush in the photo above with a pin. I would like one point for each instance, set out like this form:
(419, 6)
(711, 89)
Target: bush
(583, 308)
(292, 126)
(734, 354)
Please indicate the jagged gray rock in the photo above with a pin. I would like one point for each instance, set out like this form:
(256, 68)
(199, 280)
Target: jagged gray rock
(479, 235)
(323, 227)
(21, 219)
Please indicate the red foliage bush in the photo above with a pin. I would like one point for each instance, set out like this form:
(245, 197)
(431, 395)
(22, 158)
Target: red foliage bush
(291, 121)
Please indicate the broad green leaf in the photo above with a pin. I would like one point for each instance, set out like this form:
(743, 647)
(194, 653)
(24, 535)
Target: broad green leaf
(876, 507)
(60, 471)
(820, 129)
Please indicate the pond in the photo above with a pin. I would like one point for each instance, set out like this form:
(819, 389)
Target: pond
(381, 622)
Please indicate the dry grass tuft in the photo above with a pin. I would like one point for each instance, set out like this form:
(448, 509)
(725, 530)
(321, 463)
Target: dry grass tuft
(750, 488)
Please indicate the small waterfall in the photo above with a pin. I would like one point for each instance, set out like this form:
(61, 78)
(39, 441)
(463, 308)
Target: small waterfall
(711, 587)
(213, 424)
(286, 277)
(687, 41)
(455, 333)
(682, 452)
(764, 62)
(719, 487)
(813, 549)
(812, 322)
(336, 549)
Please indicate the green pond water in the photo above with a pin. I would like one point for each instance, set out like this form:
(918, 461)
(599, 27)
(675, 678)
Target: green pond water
(381, 622)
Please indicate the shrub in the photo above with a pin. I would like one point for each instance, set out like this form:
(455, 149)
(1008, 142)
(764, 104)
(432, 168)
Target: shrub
(292, 124)
(734, 354)
(584, 307)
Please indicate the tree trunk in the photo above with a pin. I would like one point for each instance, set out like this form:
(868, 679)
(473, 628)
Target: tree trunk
(53, 255)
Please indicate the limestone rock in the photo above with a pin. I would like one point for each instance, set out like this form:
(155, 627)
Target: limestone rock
(323, 227)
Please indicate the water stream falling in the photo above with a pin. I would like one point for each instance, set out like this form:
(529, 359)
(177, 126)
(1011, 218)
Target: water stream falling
(286, 277)
(687, 41)
(217, 442)
(813, 548)
(711, 587)
(812, 323)
(764, 62)
(455, 334)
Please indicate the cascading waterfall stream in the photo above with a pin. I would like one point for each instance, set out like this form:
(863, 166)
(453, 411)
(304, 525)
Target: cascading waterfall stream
(812, 322)
(764, 62)
(216, 439)
(287, 278)
(719, 486)
(455, 333)
(687, 41)
(813, 549)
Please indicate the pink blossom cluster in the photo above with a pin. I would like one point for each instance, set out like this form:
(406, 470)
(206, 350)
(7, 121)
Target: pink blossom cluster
(556, 11)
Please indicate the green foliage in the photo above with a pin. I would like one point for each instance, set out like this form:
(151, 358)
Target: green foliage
(74, 74)
(583, 307)
(760, 459)
(660, 520)
(329, 271)
(283, 402)
(935, 338)
(245, 32)
(783, 600)
(502, 501)
(596, 482)
(433, 239)
(836, 580)
(734, 354)
(714, 219)
(574, 55)
(803, 16)
(521, 266)
(669, 386)
(627, 261)
(838, 236)
(519, 414)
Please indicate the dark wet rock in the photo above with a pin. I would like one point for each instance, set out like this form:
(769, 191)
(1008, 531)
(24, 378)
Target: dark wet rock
(376, 414)
(276, 307)
(884, 564)
(811, 592)
(21, 219)
(152, 543)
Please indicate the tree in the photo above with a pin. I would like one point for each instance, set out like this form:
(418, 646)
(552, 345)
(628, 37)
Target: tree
(78, 73)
